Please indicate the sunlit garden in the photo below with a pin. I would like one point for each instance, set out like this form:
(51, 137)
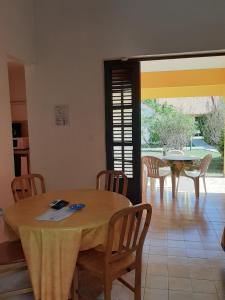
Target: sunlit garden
(165, 128)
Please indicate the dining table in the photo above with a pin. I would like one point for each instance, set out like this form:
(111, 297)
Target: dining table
(51, 247)
(177, 163)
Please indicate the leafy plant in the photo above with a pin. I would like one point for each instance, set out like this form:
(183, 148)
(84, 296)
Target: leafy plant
(212, 127)
(167, 127)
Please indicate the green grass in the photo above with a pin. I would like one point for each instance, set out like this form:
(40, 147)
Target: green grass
(215, 167)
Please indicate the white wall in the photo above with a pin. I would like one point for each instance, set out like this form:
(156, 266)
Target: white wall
(17, 29)
(73, 39)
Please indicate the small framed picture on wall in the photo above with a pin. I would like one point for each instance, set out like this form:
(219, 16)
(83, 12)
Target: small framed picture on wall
(61, 115)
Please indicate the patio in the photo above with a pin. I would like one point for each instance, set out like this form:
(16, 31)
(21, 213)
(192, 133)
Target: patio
(215, 185)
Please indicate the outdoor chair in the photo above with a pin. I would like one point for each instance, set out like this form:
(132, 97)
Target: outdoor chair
(127, 256)
(27, 185)
(156, 168)
(12, 261)
(197, 173)
(110, 180)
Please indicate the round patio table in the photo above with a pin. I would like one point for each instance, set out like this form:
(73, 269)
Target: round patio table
(177, 163)
(51, 247)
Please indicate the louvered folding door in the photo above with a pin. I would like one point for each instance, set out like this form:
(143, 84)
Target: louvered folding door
(123, 134)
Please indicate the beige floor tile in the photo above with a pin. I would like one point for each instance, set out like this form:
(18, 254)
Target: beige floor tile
(179, 270)
(180, 295)
(181, 260)
(176, 252)
(198, 261)
(218, 274)
(221, 296)
(158, 243)
(160, 259)
(175, 236)
(197, 253)
(183, 284)
(211, 245)
(158, 250)
(194, 245)
(203, 286)
(220, 287)
(176, 244)
(158, 235)
(157, 282)
(154, 294)
(201, 272)
(157, 269)
(201, 296)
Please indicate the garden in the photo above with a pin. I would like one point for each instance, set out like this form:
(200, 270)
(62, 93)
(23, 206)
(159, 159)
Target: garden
(164, 128)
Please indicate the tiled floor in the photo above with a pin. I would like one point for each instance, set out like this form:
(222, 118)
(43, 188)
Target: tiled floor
(182, 259)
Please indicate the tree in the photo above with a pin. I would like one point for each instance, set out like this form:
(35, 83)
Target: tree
(174, 130)
(168, 127)
(212, 126)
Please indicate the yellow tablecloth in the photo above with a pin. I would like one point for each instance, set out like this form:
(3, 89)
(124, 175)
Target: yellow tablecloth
(50, 247)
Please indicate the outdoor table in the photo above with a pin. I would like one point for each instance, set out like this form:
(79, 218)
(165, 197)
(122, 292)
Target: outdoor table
(51, 247)
(176, 163)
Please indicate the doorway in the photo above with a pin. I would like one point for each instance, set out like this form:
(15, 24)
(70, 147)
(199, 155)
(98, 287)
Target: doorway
(188, 62)
(18, 103)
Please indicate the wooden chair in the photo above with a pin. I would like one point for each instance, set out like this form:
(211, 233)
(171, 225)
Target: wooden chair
(113, 263)
(12, 261)
(110, 180)
(156, 168)
(197, 173)
(27, 185)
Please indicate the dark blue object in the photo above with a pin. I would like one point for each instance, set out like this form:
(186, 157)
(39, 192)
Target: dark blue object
(75, 207)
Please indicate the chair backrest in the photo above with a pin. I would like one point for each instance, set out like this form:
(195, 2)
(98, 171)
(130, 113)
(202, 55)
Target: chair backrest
(153, 164)
(110, 180)
(204, 164)
(133, 225)
(175, 151)
(27, 185)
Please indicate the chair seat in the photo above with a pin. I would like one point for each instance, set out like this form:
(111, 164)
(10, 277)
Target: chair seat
(11, 252)
(93, 261)
(163, 172)
(192, 174)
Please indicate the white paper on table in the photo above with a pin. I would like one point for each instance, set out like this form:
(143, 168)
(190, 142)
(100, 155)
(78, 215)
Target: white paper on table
(55, 215)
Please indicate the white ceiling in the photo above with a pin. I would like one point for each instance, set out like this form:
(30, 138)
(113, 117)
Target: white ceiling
(195, 63)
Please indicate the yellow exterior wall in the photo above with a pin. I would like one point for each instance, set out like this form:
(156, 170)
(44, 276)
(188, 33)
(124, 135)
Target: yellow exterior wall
(182, 78)
(190, 83)
(182, 91)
